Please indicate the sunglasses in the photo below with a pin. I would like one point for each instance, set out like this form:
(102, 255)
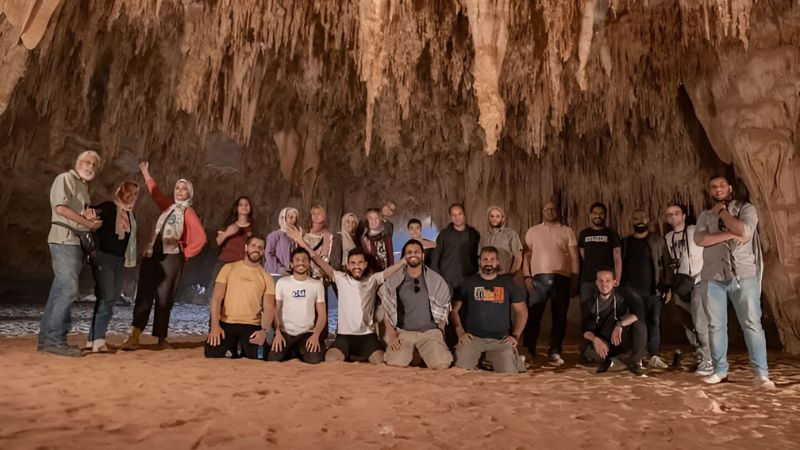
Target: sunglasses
(416, 285)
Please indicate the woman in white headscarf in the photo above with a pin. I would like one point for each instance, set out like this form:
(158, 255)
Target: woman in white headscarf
(116, 241)
(178, 236)
(278, 249)
(344, 241)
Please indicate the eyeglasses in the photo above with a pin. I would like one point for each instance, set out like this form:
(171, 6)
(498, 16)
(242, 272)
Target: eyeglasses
(416, 285)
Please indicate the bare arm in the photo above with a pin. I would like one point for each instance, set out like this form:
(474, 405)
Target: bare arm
(322, 319)
(393, 268)
(709, 239)
(526, 263)
(297, 235)
(215, 335)
(268, 315)
(575, 261)
(517, 264)
(520, 318)
(617, 265)
(69, 214)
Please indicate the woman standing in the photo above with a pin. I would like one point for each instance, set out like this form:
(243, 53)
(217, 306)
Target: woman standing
(377, 242)
(116, 240)
(278, 250)
(179, 235)
(232, 239)
(344, 241)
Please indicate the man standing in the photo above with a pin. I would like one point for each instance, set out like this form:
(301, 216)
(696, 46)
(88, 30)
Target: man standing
(415, 303)
(487, 329)
(69, 198)
(456, 250)
(356, 338)
(301, 315)
(241, 321)
(732, 266)
(686, 290)
(504, 239)
(599, 247)
(645, 260)
(610, 321)
(549, 265)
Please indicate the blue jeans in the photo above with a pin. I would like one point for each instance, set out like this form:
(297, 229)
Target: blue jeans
(745, 295)
(67, 263)
(108, 273)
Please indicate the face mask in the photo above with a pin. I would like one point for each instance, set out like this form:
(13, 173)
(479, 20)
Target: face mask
(640, 227)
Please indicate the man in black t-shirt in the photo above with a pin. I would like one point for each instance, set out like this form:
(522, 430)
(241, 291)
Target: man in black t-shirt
(611, 323)
(487, 329)
(599, 247)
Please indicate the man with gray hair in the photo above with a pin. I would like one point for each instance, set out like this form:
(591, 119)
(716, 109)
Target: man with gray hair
(69, 216)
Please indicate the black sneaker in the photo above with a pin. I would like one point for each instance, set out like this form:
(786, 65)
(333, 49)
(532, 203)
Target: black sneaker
(636, 369)
(604, 366)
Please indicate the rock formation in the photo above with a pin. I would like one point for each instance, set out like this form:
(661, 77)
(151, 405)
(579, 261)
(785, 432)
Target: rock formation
(509, 102)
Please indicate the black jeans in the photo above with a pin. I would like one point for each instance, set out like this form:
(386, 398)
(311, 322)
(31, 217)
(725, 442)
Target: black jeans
(295, 347)
(158, 280)
(548, 286)
(237, 337)
(650, 305)
(634, 338)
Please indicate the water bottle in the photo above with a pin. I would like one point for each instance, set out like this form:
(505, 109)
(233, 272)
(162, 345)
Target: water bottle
(676, 359)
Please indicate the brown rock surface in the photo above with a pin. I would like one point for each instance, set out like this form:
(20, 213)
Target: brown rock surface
(630, 102)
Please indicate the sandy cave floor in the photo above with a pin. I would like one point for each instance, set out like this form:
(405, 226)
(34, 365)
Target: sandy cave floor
(177, 399)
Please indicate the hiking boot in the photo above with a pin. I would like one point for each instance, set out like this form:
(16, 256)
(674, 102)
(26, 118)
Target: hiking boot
(163, 344)
(704, 369)
(715, 379)
(764, 383)
(605, 365)
(555, 359)
(132, 343)
(60, 350)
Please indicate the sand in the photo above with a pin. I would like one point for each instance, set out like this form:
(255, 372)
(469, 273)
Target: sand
(177, 399)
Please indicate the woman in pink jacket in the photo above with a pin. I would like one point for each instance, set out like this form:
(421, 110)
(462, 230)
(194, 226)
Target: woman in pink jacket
(178, 236)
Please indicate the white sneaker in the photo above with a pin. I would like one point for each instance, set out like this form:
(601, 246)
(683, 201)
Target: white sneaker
(704, 369)
(763, 383)
(715, 379)
(555, 359)
(656, 363)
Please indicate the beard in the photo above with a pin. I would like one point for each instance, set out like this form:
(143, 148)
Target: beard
(255, 256)
(413, 262)
(488, 270)
(599, 222)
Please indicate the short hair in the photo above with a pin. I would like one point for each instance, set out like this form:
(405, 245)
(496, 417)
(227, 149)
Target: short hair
(414, 221)
(455, 205)
(489, 249)
(255, 236)
(389, 202)
(719, 175)
(125, 188)
(605, 269)
(89, 154)
(317, 205)
(410, 243)
(600, 205)
(681, 206)
(373, 210)
(356, 252)
(299, 251)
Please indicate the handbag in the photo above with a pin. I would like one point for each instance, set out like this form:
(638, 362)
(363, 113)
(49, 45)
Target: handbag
(88, 241)
(682, 285)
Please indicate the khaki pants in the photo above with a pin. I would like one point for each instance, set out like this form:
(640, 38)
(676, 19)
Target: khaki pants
(430, 345)
(503, 357)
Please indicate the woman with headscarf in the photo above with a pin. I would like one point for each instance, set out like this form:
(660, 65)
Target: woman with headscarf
(278, 250)
(178, 236)
(377, 242)
(232, 238)
(344, 241)
(116, 241)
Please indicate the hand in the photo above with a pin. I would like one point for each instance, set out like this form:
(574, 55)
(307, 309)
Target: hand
(529, 285)
(463, 336)
(144, 167)
(89, 214)
(667, 296)
(296, 234)
(215, 336)
(232, 229)
(95, 224)
(312, 343)
(616, 335)
(258, 337)
(600, 347)
(392, 339)
(278, 343)
(717, 208)
(616, 282)
(510, 340)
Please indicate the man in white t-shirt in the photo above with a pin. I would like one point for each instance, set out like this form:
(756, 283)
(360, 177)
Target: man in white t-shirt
(356, 337)
(300, 299)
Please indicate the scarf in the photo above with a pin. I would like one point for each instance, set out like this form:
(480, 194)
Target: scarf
(347, 239)
(282, 217)
(171, 222)
(126, 223)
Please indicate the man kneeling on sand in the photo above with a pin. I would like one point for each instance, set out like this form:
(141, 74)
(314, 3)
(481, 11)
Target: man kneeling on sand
(487, 332)
(611, 319)
(299, 299)
(415, 302)
(356, 339)
(248, 309)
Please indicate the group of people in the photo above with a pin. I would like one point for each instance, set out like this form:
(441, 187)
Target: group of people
(453, 301)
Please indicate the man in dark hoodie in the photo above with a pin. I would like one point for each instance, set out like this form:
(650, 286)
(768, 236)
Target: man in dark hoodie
(456, 255)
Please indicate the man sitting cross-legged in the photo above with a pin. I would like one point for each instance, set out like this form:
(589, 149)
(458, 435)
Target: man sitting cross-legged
(487, 330)
(298, 298)
(356, 338)
(611, 319)
(248, 308)
(415, 302)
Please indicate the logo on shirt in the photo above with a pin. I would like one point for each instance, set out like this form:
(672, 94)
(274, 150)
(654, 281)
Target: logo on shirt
(298, 293)
(495, 295)
(596, 239)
